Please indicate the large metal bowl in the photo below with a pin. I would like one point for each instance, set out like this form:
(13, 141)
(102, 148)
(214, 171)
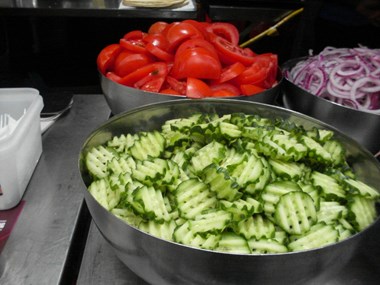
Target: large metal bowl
(362, 126)
(121, 98)
(162, 262)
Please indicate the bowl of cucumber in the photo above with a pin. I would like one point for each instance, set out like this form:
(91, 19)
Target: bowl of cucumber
(220, 191)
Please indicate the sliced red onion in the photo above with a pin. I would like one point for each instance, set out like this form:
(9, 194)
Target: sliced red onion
(346, 76)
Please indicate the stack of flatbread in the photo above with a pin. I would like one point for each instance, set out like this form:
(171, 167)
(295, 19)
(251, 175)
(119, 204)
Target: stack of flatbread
(155, 3)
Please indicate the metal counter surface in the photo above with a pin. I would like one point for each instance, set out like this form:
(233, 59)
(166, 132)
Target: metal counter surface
(100, 264)
(51, 224)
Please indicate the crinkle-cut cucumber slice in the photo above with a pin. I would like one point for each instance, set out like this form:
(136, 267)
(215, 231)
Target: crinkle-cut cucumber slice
(362, 212)
(123, 142)
(163, 230)
(229, 130)
(295, 212)
(97, 159)
(319, 235)
(221, 183)
(194, 197)
(336, 151)
(248, 171)
(150, 144)
(287, 169)
(362, 189)
(256, 226)
(272, 193)
(331, 211)
(210, 153)
(331, 189)
(123, 164)
(150, 203)
(212, 222)
(233, 243)
(150, 171)
(263, 246)
(241, 208)
(104, 194)
(184, 235)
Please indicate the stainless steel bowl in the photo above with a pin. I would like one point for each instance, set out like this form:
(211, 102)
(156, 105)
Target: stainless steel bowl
(162, 262)
(121, 98)
(362, 126)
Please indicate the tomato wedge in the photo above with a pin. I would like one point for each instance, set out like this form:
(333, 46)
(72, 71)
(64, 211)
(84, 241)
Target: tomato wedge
(151, 83)
(196, 62)
(134, 35)
(231, 72)
(230, 53)
(157, 27)
(180, 32)
(254, 74)
(224, 90)
(250, 89)
(106, 57)
(192, 43)
(127, 62)
(225, 30)
(151, 70)
(196, 88)
(178, 86)
(133, 45)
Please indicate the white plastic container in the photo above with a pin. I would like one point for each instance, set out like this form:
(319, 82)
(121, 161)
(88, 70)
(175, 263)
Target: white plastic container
(20, 150)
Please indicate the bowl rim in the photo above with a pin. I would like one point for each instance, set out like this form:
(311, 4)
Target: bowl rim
(218, 101)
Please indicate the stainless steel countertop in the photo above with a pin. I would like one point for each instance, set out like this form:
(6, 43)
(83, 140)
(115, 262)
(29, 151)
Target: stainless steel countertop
(38, 248)
(100, 264)
(44, 247)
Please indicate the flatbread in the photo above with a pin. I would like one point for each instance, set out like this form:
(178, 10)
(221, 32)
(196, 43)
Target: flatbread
(154, 3)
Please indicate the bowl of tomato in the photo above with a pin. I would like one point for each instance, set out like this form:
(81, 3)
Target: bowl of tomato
(187, 59)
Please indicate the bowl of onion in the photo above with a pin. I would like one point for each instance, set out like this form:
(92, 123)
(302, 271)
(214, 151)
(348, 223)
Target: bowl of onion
(340, 86)
(182, 60)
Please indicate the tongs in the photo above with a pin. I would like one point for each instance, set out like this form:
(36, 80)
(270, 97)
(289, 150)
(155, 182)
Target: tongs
(272, 30)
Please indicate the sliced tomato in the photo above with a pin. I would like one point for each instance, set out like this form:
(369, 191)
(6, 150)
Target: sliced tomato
(196, 62)
(127, 62)
(225, 30)
(251, 89)
(201, 26)
(152, 69)
(225, 90)
(180, 32)
(196, 88)
(106, 57)
(157, 27)
(262, 72)
(157, 40)
(254, 74)
(151, 83)
(178, 86)
(159, 53)
(134, 35)
(169, 91)
(232, 71)
(230, 53)
(270, 61)
(132, 45)
(191, 43)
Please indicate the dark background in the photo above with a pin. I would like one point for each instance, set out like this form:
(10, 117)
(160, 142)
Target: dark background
(57, 54)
